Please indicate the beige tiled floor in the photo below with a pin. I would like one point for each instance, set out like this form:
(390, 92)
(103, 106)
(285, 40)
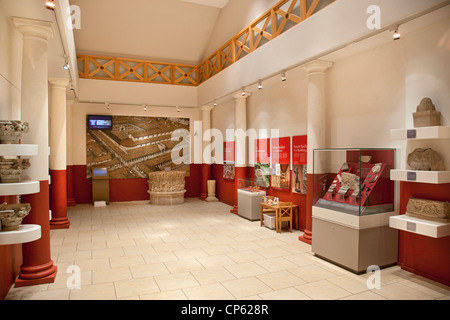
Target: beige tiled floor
(200, 251)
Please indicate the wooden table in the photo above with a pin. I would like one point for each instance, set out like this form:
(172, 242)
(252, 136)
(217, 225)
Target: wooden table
(275, 208)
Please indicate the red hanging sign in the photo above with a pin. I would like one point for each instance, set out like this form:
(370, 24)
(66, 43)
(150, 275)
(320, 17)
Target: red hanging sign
(281, 150)
(262, 151)
(228, 151)
(299, 150)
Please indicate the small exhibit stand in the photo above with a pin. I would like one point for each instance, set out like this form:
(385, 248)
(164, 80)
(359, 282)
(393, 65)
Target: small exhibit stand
(100, 186)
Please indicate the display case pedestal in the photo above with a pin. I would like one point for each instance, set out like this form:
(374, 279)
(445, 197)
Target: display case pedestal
(354, 242)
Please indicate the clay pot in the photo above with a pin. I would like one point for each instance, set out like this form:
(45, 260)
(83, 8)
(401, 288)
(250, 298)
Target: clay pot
(12, 215)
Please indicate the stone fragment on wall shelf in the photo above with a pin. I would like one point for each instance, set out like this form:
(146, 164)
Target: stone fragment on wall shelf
(438, 211)
(11, 215)
(11, 131)
(426, 115)
(425, 159)
(11, 169)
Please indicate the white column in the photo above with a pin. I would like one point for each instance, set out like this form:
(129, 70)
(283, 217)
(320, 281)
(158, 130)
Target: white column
(206, 126)
(58, 127)
(37, 267)
(240, 127)
(316, 107)
(36, 34)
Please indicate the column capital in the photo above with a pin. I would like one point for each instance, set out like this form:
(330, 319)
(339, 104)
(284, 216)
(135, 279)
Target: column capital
(34, 28)
(59, 82)
(207, 108)
(317, 66)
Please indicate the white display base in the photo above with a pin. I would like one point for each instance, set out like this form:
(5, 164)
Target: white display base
(433, 177)
(420, 226)
(99, 204)
(26, 187)
(421, 133)
(19, 150)
(353, 221)
(25, 234)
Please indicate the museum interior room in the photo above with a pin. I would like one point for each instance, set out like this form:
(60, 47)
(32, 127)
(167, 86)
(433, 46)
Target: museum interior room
(224, 150)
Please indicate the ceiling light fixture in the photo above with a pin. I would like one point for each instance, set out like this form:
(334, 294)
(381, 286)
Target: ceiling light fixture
(50, 4)
(397, 34)
(178, 109)
(260, 85)
(145, 107)
(215, 103)
(243, 93)
(107, 105)
(283, 76)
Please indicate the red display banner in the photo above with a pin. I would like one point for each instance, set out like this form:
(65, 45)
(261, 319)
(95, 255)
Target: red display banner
(281, 150)
(300, 150)
(262, 150)
(228, 151)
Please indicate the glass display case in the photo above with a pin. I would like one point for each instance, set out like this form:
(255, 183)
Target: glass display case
(249, 185)
(353, 199)
(354, 181)
(249, 199)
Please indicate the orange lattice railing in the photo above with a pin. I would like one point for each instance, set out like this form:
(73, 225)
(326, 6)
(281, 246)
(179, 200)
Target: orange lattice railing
(280, 18)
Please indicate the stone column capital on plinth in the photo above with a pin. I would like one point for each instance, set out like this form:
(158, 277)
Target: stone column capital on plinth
(39, 29)
(317, 66)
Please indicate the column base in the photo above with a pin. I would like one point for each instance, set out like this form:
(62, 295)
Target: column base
(36, 275)
(306, 237)
(71, 202)
(203, 196)
(234, 210)
(59, 223)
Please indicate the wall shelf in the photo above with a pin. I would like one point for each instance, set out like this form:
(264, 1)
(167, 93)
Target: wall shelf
(19, 150)
(25, 234)
(433, 177)
(420, 226)
(424, 133)
(26, 187)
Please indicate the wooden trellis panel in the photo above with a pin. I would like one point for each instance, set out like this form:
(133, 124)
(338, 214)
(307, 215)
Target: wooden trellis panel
(281, 17)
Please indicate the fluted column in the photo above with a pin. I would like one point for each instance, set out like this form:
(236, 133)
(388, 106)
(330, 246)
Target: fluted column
(58, 154)
(37, 265)
(240, 123)
(206, 163)
(316, 131)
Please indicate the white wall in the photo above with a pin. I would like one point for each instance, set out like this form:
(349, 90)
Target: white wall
(10, 67)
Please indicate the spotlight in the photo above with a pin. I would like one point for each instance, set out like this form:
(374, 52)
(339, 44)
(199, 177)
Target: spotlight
(215, 103)
(243, 93)
(283, 76)
(107, 105)
(145, 107)
(397, 34)
(260, 85)
(66, 66)
(178, 109)
(50, 4)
